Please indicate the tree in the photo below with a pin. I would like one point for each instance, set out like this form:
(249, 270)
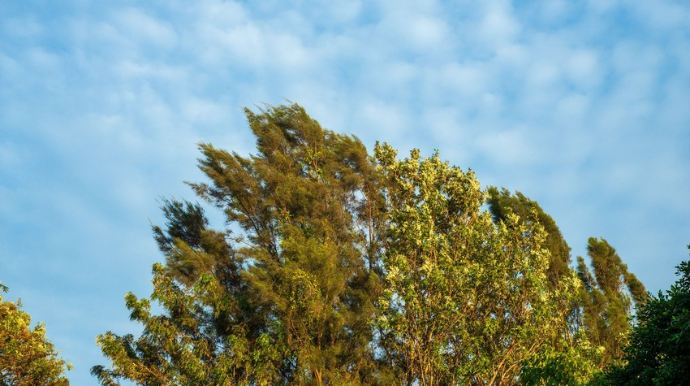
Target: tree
(292, 291)
(659, 348)
(197, 341)
(607, 299)
(466, 300)
(27, 358)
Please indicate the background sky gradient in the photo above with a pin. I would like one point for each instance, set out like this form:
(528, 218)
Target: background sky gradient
(577, 104)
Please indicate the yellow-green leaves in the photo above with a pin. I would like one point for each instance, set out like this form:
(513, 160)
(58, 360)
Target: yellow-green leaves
(27, 357)
(465, 300)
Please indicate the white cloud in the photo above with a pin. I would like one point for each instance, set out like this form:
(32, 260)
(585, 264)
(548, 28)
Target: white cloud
(661, 15)
(10, 155)
(554, 9)
(601, 6)
(339, 12)
(572, 109)
(583, 69)
(508, 148)
(217, 13)
(498, 25)
(467, 79)
(425, 32)
(146, 30)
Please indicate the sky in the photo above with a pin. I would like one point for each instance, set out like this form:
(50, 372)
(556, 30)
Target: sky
(582, 105)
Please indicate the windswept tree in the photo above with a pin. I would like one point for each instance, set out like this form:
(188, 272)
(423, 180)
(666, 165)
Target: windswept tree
(608, 296)
(597, 321)
(286, 300)
(569, 358)
(502, 204)
(27, 357)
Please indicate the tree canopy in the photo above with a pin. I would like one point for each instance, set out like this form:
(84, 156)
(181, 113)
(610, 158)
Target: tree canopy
(345, 268)
(27, 357)
(287, 300)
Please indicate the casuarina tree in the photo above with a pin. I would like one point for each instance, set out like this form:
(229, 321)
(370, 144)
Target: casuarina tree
(608, 296)
(287, 298)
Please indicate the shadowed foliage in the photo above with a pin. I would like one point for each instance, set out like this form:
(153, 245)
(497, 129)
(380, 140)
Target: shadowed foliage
(659, 348)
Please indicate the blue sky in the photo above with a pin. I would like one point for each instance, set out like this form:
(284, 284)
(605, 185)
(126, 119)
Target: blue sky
(580, 105)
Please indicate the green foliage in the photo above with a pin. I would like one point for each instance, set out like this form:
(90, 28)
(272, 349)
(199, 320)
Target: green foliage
(659, 349)
(569, 358)
(466, 300)
(27, 358)
(502, 203)
(346, 269)
(607, 298)
(187, 346)
(570, 362)
(289, 298)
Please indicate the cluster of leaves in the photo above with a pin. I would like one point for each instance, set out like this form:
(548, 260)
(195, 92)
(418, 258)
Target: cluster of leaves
(343, 268)
(27, 358)
(659, 348)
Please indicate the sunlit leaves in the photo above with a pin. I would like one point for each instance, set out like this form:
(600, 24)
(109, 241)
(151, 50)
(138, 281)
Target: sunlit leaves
(27, 357)
(465, 300)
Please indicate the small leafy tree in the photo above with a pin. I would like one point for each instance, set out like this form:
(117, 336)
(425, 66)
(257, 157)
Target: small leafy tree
(187, 345)
(659, 348)
(27, 358)
(466, 300)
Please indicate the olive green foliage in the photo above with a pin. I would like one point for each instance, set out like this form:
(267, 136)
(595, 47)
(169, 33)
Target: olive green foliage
(286, 300)
(502, 203)
(196, 343)
(607, 298)
(597, 321)
(568, 362)
(339, 268)
(27, 358)
(659, 349)
(569, 358)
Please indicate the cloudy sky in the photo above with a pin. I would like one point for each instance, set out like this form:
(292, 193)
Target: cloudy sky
(581, 105)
